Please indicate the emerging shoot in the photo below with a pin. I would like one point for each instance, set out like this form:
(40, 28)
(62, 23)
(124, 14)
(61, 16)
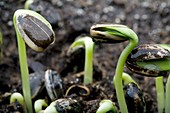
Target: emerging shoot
(88, 44)
(32, 29)
(39, 104)
(17, 97)
(128, 79)
(106, 106)
(113, 33)
(133, 95)
(28, 3)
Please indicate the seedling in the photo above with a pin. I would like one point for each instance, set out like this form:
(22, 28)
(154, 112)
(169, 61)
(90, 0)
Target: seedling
(39, 104)
(132, 91)
(133, 95)
(64, 105)
(17, 97)
(28, 3)
(112, 33)
(88, 44)
(106, 106)
(33, 29)
(128, 79)
(153, 60)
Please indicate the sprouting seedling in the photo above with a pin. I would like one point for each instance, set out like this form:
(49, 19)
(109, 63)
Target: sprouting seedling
(152, 60)
(64, 105)
(28, 3)
(112, 33)
(33, 29)
(17, 97)
(106, 106)
(128, 79)
(39, 104)
(133, 95)
(88, 44)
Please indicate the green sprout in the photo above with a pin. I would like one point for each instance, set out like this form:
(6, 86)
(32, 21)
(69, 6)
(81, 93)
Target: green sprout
(28, 3)
(39, 104)
(128, 79)
(88, 44)
(32, 29)
(112, 33)
(106, 106)
(17, 97)
(133, 95)
(160, 94)
(153, 60)
(167, 95)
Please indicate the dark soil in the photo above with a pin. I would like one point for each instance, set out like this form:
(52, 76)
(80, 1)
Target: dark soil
(150, 19)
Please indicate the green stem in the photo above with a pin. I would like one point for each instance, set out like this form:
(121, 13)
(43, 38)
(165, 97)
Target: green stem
(88, 44)
(167, 96)
(160, 94)
(28, 3)
(24, 72)
(118, 75)
(88, 68)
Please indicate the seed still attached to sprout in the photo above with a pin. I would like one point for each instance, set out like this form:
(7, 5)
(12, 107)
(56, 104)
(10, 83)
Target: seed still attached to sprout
(34, 30)
(147, 59)
(36, 34)
(113, 33)
(134, 98)
(108, 33)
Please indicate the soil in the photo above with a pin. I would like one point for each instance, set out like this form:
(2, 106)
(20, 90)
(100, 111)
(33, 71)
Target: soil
(150, 19)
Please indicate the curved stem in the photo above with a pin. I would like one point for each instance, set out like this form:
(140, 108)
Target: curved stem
(39, 104)
(106, 106)
(118, 75)
(160, 94)
(17, 97)
(88, 44)
(24, 73)
(167, 96)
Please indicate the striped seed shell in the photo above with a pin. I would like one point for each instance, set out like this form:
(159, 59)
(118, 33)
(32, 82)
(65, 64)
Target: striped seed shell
(53, 84)
(105, 33)
(134, 98)
(146, 52)
(35, 33)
